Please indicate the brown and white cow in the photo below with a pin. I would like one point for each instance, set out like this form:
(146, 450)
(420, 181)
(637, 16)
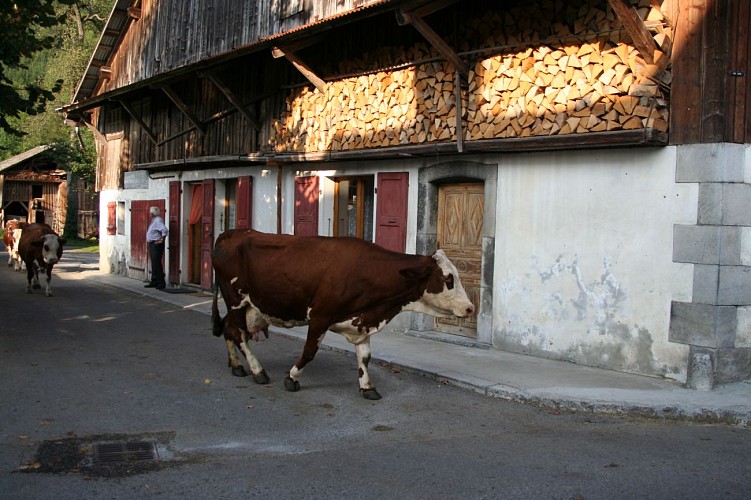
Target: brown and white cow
(40, 248)
(345, 285)
(10, 243)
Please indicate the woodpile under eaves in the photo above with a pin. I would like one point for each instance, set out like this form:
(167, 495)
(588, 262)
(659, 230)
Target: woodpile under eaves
(534, 76)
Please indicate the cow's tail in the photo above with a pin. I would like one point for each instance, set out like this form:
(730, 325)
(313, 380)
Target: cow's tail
(216, 318)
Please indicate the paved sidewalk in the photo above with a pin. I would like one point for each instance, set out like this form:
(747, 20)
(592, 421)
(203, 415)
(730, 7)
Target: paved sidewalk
(553, 384)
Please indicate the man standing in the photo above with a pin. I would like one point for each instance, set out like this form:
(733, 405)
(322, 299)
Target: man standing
(155, 237)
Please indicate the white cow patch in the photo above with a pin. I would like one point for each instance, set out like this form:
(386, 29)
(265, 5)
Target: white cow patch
(352, 333)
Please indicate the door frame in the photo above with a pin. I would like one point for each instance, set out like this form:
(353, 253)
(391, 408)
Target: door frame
(452, 172)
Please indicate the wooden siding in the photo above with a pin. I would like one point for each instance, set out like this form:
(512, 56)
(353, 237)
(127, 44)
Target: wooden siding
(172, 34)
(51, 206)
(711, 70)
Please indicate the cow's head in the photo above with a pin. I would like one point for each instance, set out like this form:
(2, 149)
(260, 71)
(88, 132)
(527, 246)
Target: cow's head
(444, 294)
(51, 246)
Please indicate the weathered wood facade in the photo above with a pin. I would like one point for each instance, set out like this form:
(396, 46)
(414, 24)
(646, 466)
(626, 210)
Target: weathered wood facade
(304, 110)
(33, 189)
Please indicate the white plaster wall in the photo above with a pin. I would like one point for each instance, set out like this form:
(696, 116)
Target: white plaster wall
(583, 269)
(114, 250)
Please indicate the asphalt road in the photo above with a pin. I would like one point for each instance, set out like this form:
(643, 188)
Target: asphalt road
(95, 368)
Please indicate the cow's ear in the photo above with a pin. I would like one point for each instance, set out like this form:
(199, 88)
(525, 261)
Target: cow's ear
(61, 241)
(37, 243)
(415, 273)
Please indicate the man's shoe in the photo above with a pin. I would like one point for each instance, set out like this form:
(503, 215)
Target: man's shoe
(160, 287)
(150, 285)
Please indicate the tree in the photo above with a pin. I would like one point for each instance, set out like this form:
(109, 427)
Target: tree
(44, 48)
(58, 64)
(20, 39)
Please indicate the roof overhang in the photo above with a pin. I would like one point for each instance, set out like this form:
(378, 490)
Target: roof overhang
(85, 100)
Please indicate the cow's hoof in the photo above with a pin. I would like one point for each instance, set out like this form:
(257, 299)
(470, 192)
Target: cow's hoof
(371, 394)
(291, 385)
(239, 371)
(261, 377)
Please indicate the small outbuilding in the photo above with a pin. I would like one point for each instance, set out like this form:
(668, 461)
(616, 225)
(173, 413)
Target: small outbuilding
(35, 188)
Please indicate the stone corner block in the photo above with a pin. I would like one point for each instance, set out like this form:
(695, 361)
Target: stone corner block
(717, 162)
(702, 325)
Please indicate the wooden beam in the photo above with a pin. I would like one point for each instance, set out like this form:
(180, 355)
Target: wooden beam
(224, 89)
(434, 39)
(138, 119)
(301, 67)
(636, 29)
(177, 101)
(296, 45)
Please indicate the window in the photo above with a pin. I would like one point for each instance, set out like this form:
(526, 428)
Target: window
(353, 207)
(121, 217)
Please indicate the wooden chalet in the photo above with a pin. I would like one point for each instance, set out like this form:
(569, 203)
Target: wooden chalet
(580, 161)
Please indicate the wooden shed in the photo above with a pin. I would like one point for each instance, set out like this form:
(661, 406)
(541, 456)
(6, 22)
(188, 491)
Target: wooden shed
(34, 189)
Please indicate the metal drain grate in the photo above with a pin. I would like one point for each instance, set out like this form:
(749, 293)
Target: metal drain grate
(121, 453)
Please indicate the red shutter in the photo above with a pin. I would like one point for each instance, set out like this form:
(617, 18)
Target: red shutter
(111, 217)
(244, 202)
(173, 237)
(391, 211)
(306, 206)
(207, 231)
(139, 223)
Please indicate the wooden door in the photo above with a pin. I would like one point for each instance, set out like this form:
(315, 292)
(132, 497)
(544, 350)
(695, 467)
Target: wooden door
(391, 211)
(461, 209)
(207, 232)
(138, 265)
(306, 206)
(173, 234)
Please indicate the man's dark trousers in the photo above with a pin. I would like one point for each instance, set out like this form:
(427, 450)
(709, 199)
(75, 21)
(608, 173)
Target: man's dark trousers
(156, 252)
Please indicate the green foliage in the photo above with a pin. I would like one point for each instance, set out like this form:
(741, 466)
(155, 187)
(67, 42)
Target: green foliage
(44, 49)
(25, 30)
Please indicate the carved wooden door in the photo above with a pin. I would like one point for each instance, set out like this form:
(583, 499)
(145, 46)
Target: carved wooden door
(460, 219)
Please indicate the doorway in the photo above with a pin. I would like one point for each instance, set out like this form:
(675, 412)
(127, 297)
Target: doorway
(461, 213)
(353, 207)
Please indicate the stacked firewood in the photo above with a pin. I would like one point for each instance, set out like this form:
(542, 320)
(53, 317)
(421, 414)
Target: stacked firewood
(576, 77)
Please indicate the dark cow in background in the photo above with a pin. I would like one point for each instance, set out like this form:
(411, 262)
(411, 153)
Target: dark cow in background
(345, 285)
(11, 227)
(40, 248)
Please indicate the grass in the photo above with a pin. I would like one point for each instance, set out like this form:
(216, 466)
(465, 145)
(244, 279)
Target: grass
(80, 245)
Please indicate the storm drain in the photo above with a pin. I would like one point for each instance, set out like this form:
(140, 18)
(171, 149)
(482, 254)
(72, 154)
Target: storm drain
(104, 455)
(124, 453)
